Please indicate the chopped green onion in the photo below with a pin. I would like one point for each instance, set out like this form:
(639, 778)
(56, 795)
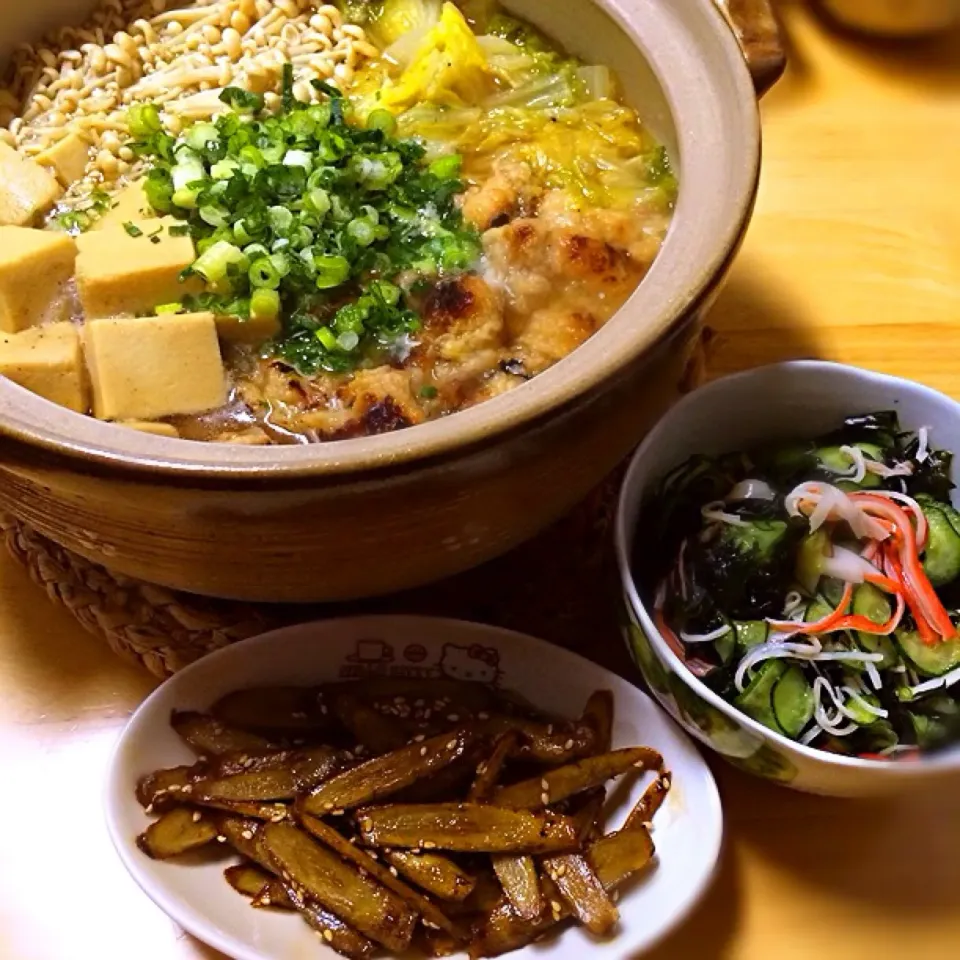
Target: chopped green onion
(224, 169)
(281, 219)
(264, 274)
(168, 308)
(331, 271)
(382, 120)
(428, 392)
(264, 304)
(326, 337)
(348, 340)
(132, 230)
(362, 231)
(298, 158)
(200, 135)
(242, 100)
(446, 168)
(143, 120)
(213, 264)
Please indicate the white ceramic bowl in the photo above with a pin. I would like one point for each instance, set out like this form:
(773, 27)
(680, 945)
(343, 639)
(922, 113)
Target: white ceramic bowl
(796, 399)
(687, 830)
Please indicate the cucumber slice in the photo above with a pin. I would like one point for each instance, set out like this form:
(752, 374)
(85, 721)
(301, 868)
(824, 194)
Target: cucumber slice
(872, 603)
(757, 701)
(750, 633)
(811, 553)
(932, 660)
(726, 646)
(817, 610)
(864, 717)
(837, 462)
(941, 559)
(793, 701)
(832, 591)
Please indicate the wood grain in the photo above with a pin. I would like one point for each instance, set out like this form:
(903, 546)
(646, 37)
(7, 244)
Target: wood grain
(853, 256)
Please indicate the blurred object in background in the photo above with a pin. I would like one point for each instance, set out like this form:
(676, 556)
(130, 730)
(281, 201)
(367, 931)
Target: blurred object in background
(895, 18)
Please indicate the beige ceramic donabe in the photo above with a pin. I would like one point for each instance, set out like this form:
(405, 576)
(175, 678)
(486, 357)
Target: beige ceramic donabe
(368, 516)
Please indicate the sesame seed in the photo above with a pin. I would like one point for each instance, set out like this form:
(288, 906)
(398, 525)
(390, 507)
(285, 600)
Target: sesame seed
(338, 812)
(483, 716)
(419, 738)
(429, 845)
(328, 806)
(568, 745)
(423, 751)
(640, 765)
(149, 808)
(415, 850)
(544, 798)
(373, 854)
(299, 743)
(430, 926)
(366, 824)
(616, 896)
(265, 900)
(242, 759)
(549, 729)
(393, 870)
(544, 785)
(323, 709)
(221, 839)
(451, 745)
(561, 870)
(249, 762)
(174, 788)
(427, 713)
(453, 717)
(187, 789)
(247, 834)
(328, 935)
(196, 816)
(299, 715)
(419, 703)
(481, 769)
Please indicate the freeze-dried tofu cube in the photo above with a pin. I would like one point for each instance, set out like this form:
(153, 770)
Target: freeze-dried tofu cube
(130, 204)
(149, 426)
(33, 266)
(152, 367)
(122, 274)
(26, 188)
(49, 361)
(67, 158)
(247, 330)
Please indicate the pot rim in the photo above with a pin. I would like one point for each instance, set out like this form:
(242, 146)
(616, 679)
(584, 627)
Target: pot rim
(676, 283)
(949, 760)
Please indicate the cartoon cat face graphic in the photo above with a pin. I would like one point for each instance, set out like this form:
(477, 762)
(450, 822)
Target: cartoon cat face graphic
(476, 664)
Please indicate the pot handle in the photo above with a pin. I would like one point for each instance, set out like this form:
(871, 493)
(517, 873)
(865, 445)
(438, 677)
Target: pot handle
(758, 32)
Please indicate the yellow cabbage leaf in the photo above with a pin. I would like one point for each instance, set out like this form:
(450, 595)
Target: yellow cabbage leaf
(449, 68)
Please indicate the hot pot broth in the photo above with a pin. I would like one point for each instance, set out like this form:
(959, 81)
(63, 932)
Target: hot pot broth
(287, 223)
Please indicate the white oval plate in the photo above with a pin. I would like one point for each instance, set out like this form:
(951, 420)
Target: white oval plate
(687, 830)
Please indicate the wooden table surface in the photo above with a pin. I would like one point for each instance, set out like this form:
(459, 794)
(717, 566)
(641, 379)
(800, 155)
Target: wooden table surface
(854, 255)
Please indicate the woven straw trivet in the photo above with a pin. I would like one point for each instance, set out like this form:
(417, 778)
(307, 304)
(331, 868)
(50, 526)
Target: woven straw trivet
(561, 586)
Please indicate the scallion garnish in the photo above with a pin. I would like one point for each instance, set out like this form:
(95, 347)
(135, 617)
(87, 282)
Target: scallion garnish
(307, 216)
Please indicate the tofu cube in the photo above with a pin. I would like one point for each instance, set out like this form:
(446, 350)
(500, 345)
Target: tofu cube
(130, 204)
(33, 266)
(67, 158)
(26, 188)
(239, 330)
(120, 274)
(149, 426)
(153, 367)
(49, 361)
